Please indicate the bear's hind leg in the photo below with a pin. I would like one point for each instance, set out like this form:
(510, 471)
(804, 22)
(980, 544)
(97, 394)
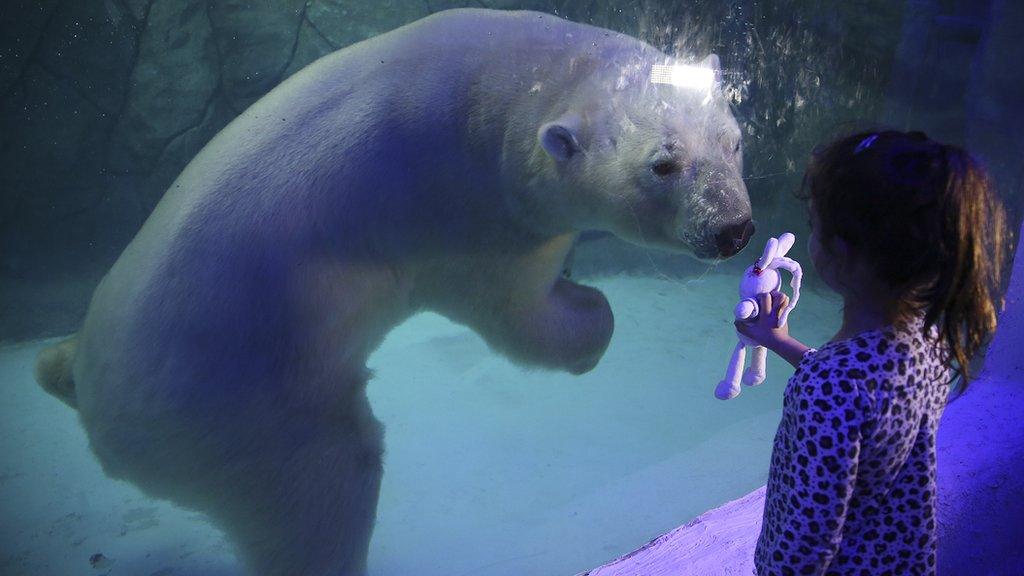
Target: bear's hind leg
(305, 501)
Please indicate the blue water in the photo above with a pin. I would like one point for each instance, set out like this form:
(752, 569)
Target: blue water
(490, 468)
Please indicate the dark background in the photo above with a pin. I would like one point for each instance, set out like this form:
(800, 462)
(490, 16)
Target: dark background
(103, 102)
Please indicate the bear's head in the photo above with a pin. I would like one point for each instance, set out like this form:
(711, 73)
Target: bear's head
(655, 164)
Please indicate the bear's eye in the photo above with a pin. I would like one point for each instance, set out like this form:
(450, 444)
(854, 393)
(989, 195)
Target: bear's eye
(665, 167)
(736, 149)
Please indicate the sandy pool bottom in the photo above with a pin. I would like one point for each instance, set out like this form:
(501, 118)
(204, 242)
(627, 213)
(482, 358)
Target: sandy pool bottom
(490, 468)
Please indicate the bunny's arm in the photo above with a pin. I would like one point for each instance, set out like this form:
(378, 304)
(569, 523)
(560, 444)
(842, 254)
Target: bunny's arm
(793, 267)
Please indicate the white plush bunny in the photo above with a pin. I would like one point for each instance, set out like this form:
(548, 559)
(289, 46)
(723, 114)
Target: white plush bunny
(760, 278)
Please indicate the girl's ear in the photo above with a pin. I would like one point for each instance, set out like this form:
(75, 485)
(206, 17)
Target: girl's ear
(841, 252)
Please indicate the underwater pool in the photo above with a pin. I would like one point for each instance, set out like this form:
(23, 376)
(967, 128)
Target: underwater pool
(490, 469)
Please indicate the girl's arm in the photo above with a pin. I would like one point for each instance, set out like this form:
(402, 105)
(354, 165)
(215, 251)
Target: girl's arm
(791, 349)
(764, 329)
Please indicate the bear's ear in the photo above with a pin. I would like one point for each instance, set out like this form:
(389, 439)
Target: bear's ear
(559, 138)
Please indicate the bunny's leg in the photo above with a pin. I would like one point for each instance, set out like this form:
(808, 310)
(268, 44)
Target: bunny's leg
(755, 373)
(730, 386)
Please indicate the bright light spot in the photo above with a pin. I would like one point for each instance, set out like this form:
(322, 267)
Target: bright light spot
(683, 76)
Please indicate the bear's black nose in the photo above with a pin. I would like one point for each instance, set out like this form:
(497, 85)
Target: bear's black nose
(732, 238)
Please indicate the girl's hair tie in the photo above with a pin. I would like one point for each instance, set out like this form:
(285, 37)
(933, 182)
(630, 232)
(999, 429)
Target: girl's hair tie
(865, 144)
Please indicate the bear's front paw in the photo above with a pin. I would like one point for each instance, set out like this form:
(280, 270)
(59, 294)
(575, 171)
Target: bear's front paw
(568, 330)
(587, 324)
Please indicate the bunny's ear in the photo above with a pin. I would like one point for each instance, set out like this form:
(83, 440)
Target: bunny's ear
(769, 253)
(785, 243)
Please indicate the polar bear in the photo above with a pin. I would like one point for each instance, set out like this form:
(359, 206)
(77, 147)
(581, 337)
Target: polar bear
(447, 165)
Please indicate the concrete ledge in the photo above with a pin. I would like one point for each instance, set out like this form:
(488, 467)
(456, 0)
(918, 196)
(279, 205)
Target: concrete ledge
(718, 542)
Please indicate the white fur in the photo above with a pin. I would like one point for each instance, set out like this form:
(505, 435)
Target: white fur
(222, 362)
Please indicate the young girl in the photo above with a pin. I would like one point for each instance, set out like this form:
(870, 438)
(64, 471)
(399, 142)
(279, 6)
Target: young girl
(910, 233)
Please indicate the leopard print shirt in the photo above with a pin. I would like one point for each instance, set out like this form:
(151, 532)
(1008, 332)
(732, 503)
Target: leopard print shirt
(851, 489)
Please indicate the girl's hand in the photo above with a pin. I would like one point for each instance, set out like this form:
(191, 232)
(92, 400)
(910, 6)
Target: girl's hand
(763, 328)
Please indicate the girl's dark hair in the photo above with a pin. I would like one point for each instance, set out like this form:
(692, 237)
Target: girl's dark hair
(927, 216)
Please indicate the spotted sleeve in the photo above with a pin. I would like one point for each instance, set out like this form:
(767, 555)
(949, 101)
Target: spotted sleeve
(815, 465)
